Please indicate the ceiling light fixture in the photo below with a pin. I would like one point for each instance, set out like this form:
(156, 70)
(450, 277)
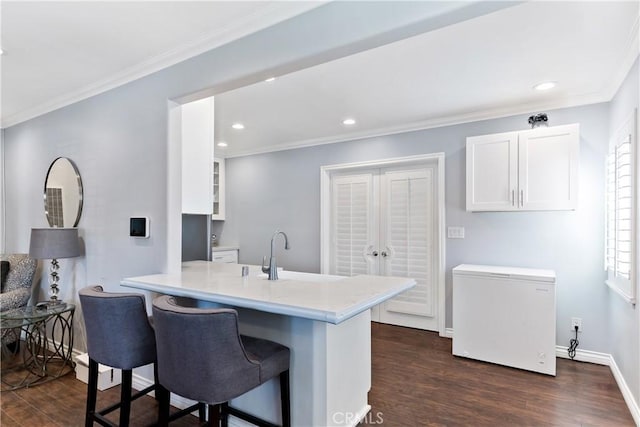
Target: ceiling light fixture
(348, 122)
(545, 86)
(270, 79)
(222, 144)
(1, 51)
(237, 126)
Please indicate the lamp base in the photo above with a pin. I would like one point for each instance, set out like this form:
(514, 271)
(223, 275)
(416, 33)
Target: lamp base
(48, 304)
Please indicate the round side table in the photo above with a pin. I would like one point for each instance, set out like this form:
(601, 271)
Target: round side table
(47, 345)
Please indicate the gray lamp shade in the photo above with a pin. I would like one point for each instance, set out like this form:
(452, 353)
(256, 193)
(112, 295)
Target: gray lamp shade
(54, 243)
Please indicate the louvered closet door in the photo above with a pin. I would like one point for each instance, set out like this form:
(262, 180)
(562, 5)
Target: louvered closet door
(353, 224)
(407, 231)
(383, 222)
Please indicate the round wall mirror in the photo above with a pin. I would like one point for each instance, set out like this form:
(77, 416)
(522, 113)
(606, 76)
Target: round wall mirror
(63, 194)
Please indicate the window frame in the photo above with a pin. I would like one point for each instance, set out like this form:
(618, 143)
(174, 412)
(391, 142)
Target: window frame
(626, 287)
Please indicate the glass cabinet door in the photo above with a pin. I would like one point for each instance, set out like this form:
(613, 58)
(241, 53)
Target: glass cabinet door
(218, 189)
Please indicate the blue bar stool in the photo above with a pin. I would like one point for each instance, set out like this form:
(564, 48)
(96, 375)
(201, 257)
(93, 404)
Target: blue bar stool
(203, 357)
(120, 335)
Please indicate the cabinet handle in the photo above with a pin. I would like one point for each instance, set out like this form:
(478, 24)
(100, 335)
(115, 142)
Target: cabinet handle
(521, 198)
(369, 251)
(387, 252)
(513, 197)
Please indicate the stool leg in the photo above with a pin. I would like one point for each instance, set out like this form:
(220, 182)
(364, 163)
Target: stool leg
(156, 383)
(164, 405)
(125, 397)
(224, 414)
(92, 392)
(285, 399)
(202, 412)
(214, 416)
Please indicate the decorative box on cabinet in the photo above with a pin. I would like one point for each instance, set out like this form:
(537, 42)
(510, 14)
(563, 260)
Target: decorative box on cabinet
(229, 256)
(218, 190)
(534, 169)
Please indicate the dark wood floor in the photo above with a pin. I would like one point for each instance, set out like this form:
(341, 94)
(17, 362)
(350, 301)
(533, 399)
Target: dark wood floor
(416, 382)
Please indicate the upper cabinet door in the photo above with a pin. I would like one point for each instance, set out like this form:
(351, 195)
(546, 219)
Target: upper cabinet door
(492, 172)
(548, 168)
(197, 157)
(219, 184)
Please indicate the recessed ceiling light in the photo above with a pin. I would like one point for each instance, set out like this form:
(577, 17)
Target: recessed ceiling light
(545, 86)
(1, 51)
(237, 126)
(222, 144)
(270, 79)
(349, 122)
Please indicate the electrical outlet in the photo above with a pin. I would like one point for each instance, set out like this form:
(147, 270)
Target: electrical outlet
(455, 232)
(576, 321)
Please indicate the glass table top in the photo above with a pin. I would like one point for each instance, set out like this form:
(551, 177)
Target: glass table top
(31, 312)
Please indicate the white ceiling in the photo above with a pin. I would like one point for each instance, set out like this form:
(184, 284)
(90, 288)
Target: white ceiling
(56, 53)
(59, 52)
(481, 68)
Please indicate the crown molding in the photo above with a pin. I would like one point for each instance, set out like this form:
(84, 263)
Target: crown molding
(270, 15)
(605, 95)
(452, 120)
(632, 53)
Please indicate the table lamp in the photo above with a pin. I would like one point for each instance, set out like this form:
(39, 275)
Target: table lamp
(54, 243)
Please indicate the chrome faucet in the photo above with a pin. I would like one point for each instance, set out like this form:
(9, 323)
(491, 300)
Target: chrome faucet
(272, 268)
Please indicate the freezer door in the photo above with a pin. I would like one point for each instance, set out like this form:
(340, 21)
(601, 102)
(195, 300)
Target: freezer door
(506, 321)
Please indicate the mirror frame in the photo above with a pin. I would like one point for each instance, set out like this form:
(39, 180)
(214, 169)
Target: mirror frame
(80, 190)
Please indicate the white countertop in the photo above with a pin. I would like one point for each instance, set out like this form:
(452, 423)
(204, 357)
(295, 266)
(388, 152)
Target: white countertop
(332, 299)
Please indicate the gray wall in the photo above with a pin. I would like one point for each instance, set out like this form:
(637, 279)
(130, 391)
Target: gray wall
(119, 139)
(282, 190)
(624, 330)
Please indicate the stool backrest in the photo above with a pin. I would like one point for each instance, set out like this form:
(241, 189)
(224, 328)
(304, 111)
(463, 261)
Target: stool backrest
(200, 352)
(118, 330)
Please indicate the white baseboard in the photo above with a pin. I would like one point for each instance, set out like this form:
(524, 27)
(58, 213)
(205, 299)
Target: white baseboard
(448, 333)
(634, 408)
(585, 356)
(74, 353)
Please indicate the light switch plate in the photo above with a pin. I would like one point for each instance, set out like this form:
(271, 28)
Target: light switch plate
(455, 232)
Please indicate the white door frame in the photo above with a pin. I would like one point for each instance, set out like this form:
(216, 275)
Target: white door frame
(325, 215)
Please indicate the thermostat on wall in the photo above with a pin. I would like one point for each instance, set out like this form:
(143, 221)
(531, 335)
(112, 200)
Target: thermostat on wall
(139, 227)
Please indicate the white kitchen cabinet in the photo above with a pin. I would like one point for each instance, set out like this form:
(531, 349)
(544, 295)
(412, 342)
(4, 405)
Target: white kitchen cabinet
(534, 169)
(218, 190)
(197, 157)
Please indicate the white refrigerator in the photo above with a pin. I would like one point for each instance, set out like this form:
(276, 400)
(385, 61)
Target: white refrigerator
(505, 315)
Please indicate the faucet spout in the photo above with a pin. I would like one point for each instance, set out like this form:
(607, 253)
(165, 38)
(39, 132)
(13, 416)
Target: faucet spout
(272, 269)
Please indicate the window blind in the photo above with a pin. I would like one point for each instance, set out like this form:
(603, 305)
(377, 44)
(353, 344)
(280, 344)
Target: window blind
(409, 233)
(619, 226)
(351, 223)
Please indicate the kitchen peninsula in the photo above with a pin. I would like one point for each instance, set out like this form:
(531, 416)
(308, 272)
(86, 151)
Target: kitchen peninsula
(325, 320)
